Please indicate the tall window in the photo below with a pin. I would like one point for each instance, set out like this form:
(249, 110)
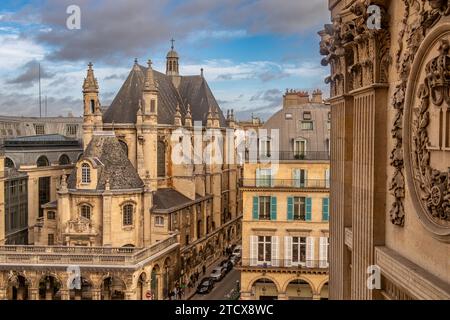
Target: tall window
(127, 212)
(299, 177)
(298, 250)
(300, 208)
(299, 147)
(263, 177)
(161, 166)
(44, 193)
(86, 211)
(264, 249)
(265, 147)
(152, 106)
(92, 106)
(42, 161)
(51, 239)
(264, 208)
(85, 173)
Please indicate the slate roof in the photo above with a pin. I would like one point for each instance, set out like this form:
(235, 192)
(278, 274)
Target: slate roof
(111, 162)
(169, 200)
(193, 90)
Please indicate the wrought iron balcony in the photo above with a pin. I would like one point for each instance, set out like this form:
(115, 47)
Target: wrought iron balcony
(291, 156)
(285, 183)
(284, 263)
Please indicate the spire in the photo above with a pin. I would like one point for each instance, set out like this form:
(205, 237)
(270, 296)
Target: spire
(177, 116)
(172, 43)
(149, 84)
(90, 82)
(172, 64)
(188, 117)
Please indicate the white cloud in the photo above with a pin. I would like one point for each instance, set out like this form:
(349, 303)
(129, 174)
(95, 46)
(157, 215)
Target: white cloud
(15, 51)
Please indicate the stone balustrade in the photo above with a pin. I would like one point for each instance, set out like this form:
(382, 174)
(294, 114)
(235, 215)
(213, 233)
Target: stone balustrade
(81, 255)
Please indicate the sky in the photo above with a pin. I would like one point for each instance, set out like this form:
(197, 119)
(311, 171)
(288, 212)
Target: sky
(251, 50)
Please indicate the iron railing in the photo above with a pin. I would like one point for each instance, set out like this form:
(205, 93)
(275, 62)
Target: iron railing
(286, 183)
(285, 263)
(289, 156)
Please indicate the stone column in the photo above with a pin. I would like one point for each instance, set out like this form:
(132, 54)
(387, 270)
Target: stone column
(283, 296)
(130, 295)
(3, 294)
(33, 293)
(96, 294)
(341, 194)
(65, 294)
(369, 184)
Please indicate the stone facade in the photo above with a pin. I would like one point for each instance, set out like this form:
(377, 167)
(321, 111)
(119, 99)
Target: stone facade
(152, 220)
(285, 221)
(389, 149)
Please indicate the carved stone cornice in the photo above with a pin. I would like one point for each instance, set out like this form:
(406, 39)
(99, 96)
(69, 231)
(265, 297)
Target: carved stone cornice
(358, 55)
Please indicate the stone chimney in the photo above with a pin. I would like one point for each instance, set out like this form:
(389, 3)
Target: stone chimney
(295, 98)
(317, 96)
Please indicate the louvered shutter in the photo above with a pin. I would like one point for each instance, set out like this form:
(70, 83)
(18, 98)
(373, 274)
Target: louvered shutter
(275, 261)
(325, 209)
(273, 208)
(323, 252)
(308, 209)
(290, 208)
(309, 252)
(287, 251)
(255, 208)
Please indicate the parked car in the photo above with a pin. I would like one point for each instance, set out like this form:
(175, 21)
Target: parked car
(205, 286)
(217, 274)
(234, 259)
(227, 264)
(237, 251)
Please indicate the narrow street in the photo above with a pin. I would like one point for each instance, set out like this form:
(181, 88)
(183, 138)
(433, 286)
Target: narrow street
(222, 288)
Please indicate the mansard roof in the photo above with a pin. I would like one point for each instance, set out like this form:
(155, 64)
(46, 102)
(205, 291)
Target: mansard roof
(113, 164)
(193, 90)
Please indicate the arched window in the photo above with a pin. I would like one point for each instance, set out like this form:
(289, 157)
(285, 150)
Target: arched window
(161, 166)
(86, 211)
(127, 213)
(92, 106)
(42, 161)
(124, 146)
(85, 173)
(9, 163)
(64, 160)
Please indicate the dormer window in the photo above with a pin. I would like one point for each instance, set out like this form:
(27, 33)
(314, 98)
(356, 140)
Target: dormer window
(85, 173)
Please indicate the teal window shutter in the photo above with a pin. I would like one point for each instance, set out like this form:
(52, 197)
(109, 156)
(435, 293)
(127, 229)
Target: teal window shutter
(255, 208)
(290, 208)
(325, 209)
(308, 209)
(273, 208)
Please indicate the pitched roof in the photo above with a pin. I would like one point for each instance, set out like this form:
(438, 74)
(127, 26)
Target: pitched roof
(112, 163)
(193, 90)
